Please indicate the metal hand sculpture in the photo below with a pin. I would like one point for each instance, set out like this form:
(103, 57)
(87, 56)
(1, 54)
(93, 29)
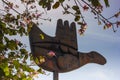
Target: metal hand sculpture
(63, 48)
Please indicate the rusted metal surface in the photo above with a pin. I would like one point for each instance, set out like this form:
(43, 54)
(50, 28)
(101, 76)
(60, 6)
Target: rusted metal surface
(61, 52)
(55, 75)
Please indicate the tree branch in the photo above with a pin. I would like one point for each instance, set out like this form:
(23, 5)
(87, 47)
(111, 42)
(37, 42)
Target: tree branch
(100, 15)
(80, 10)
(11, 7)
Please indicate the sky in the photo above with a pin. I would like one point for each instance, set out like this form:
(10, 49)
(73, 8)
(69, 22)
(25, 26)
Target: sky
(106, 42)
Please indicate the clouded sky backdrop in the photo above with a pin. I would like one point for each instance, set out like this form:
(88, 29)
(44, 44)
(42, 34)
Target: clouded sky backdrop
(105, 42)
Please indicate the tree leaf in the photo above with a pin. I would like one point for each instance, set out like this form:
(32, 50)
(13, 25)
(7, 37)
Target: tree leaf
(42, 36)
(6, 39)
(31, 57)
(11, 45)
(23, 51)
(5, 68)
(75, 8)
(80, 23)
(77, 18)
(61, 1)
(2, 24)
(22, 30)
(39, 70)
(36, 61)
(56, 5)
(16, 63)
(2, 46)
(95, 3)
(2, 72)
(18, 16)
(26, 68)
(29, 26)
(106, 3)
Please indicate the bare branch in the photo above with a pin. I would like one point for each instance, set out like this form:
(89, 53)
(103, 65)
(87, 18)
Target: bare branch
(7, 3)
(100, 15)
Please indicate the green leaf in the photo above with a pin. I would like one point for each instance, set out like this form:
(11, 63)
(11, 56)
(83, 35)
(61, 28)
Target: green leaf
(42, 36)
(18, 16)
(39, 70)
(23, 51)
(80, 23)
(2, 24)
(2, 72)
(36, 60)
(26, 68)
(5, 68)
(61, 1)
(2, 47)
(31, 57)
(106, 3)
(29, 26)
(95, 3)
(6, 39)
(24, 79)
(29, 78)
(16, 63)
(78, 12)
(11, 32)
(21, 30)
(12, 45)
(11, 54)
(77, 18)
(26, 57)
(56, 5)
(75, 8)
(42, 3)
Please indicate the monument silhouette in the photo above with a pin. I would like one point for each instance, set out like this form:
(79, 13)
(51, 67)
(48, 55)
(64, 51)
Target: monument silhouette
(61, 52)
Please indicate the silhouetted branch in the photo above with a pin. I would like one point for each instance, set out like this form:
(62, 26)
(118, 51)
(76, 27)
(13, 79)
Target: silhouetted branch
(7, 3)
(103, 19)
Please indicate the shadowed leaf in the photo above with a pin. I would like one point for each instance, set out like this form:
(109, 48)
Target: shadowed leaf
(56, 5)
(106, 3)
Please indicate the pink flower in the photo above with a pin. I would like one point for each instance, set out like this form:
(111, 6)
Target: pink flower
(85, 7)
(109, 25)
(51, 54)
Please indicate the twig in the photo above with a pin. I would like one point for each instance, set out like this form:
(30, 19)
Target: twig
(80, 10)
(66, 10)
(11, 7)
(99, 14)
(114, 15)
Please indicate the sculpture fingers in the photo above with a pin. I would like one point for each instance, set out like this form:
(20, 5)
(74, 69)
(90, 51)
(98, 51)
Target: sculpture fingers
(62, 30)
(66, 35)
(73, 31)
(73, 35)
(59, 29)
(66, 30)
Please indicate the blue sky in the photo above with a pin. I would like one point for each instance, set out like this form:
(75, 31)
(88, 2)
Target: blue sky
(105, 42)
